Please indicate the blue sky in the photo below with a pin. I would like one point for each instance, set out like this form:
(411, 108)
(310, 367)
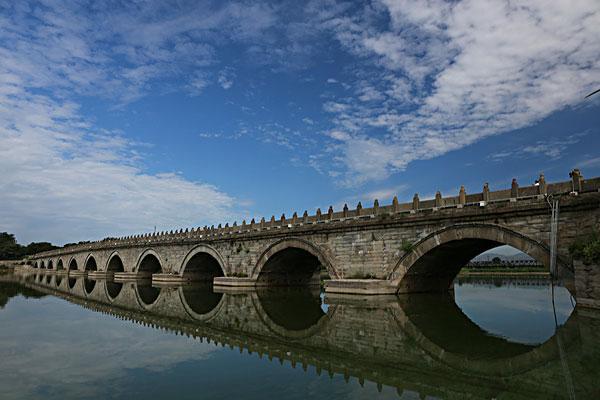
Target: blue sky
(120, 117)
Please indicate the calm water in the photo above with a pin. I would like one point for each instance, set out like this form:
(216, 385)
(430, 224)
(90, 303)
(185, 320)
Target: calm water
(74, 338)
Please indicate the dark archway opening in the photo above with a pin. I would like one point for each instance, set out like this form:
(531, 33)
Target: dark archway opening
(40, 278)
(293, 308)
(36, 264)
(115, 264)
(202, 267)
(200, 298)
(48, 279)
(147, 293)
(436, 270)
(72, 282)
(50, 265)
(59, 265)
(73, 265)
(150, 264)
(291, 267)
(43, 266)
(90, 264)
(58, 281)
(89, 285)
(113, 289)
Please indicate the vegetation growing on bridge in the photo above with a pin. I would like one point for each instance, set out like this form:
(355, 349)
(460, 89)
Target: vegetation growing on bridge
(587, 249)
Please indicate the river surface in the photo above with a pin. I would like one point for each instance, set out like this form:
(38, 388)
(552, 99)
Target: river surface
(64, 338)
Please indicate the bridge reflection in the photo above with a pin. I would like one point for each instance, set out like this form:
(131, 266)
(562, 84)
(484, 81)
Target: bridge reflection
(422, 343)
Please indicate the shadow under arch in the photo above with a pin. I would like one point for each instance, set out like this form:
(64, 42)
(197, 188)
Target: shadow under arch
(50, 264)
(88, 286)
(292, 262)
(115, 263)
(200, 301)
(202, 264)
(464, 346)
(90, 263)
(73, 264)
(435, 260)
(59, 265)
(149, 261)
(291, 313)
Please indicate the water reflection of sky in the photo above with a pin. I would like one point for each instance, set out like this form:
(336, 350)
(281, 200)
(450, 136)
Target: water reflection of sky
(519, 313)
(52, 349)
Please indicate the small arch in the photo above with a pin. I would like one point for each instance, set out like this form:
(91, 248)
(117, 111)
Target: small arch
(203, 263)
(73, 264)
(292, 262)
(43, 266)
(59, 265)
(36, 265)
(435, 260)
(149, 262)
(50, 264)
(115, 263)
(90, 263)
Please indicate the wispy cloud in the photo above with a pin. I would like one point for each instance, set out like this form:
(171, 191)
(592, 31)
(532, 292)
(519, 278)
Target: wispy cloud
(454, 73)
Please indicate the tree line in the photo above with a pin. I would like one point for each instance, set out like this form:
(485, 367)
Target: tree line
(11, 250)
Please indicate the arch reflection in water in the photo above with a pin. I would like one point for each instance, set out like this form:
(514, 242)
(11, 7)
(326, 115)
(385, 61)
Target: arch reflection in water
(113, 289)
(200, 299)
(147, 293)
(89, 285)
(292, 308)
(72, 282)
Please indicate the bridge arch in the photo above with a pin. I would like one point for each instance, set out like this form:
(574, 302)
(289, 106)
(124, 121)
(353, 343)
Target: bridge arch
(90, 263)
(149, 261)
(115, 263)
(50, 264)
(290, 262)
(203, 263)
(43, 265)
(59, 265)
(436, 259)
(73, 264)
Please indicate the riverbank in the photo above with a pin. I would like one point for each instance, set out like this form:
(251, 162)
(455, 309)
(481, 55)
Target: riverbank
(505, 272)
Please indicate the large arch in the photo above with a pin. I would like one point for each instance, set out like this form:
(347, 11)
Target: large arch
(149, 262)
(202, 263)
(115, 263)
(90, 263)
(291, 262)
(435, 260)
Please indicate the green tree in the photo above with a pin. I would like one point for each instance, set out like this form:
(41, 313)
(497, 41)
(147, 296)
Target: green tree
(9, 248)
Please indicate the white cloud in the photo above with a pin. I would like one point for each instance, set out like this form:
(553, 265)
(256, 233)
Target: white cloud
(226, 78)
(454, 73)
(64, 181)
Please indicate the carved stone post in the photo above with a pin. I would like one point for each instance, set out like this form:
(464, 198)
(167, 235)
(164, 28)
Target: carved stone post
(514, 189)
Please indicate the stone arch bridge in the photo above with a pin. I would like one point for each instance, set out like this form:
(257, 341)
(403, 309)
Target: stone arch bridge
(410, 247)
